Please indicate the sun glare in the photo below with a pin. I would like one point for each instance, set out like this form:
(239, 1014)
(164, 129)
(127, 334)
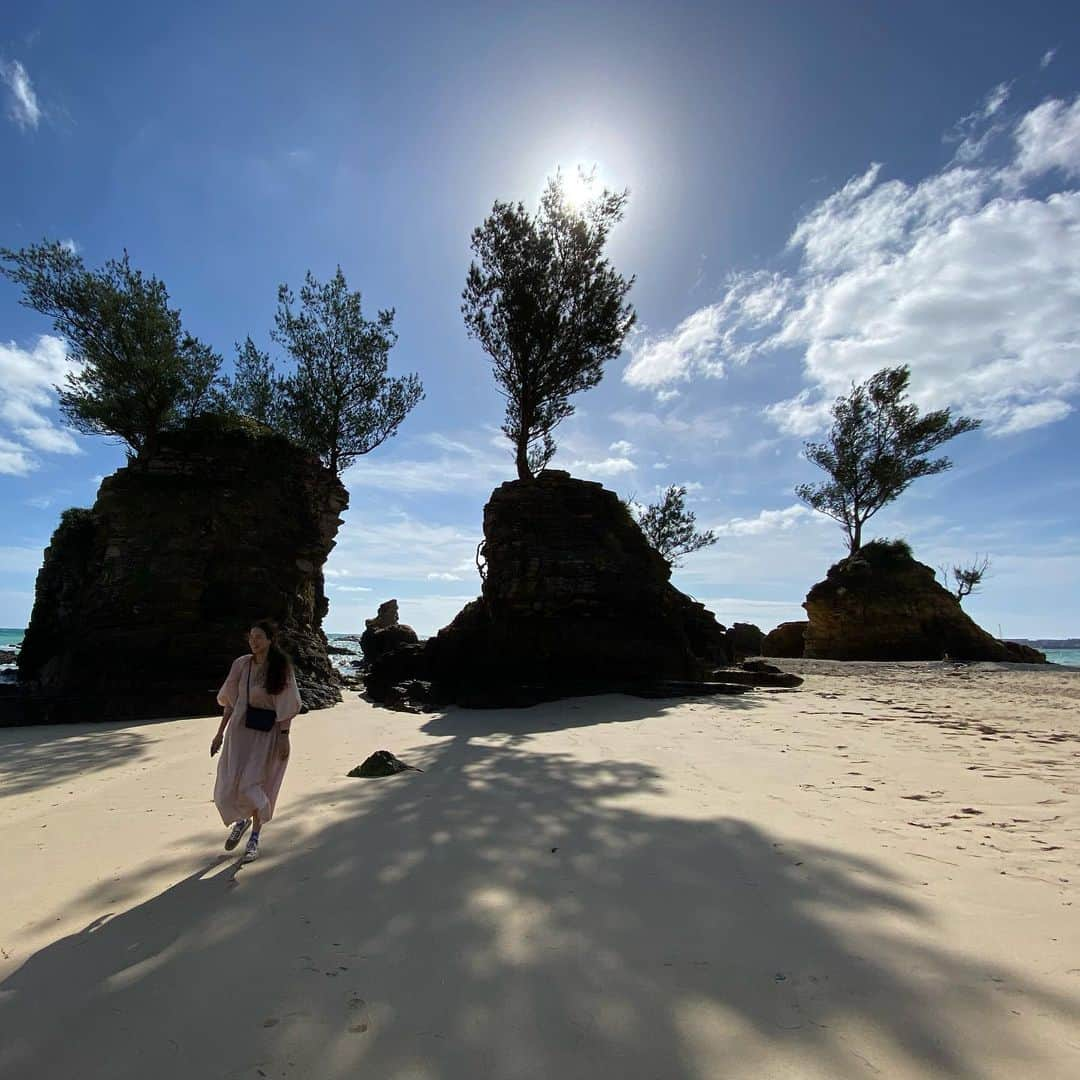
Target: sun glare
(579, 186)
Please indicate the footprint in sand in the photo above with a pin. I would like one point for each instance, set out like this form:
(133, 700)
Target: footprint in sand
(354, 1001)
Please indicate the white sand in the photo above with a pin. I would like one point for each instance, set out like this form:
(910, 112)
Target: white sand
(852, 880)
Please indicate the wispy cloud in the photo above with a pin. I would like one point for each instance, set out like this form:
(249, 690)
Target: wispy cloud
(1047, 58)
(766, 521)
(23, 105)
(704, 341)
(974, 131)
(401, 547)
(971, 276)
(460, 466)
(28, 377)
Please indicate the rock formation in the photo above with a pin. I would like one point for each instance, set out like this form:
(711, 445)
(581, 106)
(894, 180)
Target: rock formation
(145, 599)
(384, 632)
(574, 601)
(880, 604)
(744, 639)
(785, 641)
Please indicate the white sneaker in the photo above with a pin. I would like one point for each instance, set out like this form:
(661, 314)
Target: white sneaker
(251, 852)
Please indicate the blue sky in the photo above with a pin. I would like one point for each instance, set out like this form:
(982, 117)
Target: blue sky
(816, 190)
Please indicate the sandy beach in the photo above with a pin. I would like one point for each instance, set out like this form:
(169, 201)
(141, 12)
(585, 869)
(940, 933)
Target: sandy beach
(874, 875)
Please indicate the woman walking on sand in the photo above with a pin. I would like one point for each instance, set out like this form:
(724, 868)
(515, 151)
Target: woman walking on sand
(261, 698)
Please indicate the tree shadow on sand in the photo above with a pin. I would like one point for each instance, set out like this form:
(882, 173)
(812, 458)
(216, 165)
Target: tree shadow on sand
(568, 713)
(508, 914)
(53, 754)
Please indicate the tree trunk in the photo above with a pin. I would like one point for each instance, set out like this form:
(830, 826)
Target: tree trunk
(522, 457)
(856, 537)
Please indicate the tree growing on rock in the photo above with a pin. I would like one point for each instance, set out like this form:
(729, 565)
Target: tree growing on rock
(255, 390)
(136, 370)
(964, 580)
(670, 527)
(878, 444)
(548, 308)
(339, 403)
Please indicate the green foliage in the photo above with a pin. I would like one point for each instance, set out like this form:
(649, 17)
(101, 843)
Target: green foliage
(255, 390)
(877, 446)
(886, 553)
(137, 371)
(74, 520)
(669, 527)
(548, 309)
(339, 403)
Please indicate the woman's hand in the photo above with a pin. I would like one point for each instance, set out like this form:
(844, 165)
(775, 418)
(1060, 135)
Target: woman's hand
(283, 745)
(215, 744)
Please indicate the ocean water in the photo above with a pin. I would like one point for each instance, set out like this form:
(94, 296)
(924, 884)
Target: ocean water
(1063, 656)
(10, 637)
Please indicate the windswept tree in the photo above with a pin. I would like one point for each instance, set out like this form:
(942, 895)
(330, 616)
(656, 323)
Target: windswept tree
(670, 527)
(136, 370)
(964, 580)
(548, 308)
(339, 403)
(878, 444)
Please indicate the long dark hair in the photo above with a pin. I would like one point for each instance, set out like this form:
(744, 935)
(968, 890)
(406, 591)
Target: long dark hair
(278, 664)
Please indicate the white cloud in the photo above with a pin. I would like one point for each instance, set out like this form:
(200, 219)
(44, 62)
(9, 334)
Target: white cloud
(459, 467)
(444, 577)
(974, 131)
(967, 276)
(28, 377)
(1035, 415)
(70, 245)
(15, 460)
(765, 522)
(608, 467)
(352, 588)
(400, 547)
(702, 343)
(622, 447)
(1049, 138)
(1047, 58)
(23, 107)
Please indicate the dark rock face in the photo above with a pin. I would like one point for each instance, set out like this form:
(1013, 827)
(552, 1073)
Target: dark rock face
(384, 633)
(574, 601)
(381, 763)
(1024, 654)
(144, 600)
(880, 604)
(745, 639)
(785, 641)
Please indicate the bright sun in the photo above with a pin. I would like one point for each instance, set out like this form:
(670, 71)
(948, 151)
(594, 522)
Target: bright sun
(579, 186)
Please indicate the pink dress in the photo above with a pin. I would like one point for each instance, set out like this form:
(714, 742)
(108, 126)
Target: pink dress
(250, 769)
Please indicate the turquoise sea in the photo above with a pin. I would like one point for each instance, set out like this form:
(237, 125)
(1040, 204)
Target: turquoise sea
(10, 637)
(1063, 656)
